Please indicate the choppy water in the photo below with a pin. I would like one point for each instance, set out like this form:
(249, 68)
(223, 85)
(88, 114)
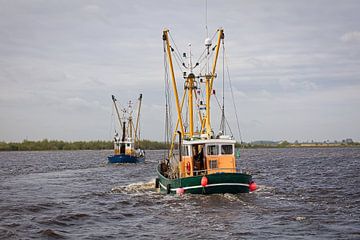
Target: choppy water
(303, 194)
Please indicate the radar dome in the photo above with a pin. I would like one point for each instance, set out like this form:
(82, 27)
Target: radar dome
(207, 42)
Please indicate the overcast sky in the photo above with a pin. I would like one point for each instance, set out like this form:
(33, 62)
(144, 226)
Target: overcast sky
(294, 65)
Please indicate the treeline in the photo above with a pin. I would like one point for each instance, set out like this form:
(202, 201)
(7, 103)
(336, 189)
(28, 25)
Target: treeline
(262, 145)
(152, 145)
(45, 144)
(49, 145)
(286, 144)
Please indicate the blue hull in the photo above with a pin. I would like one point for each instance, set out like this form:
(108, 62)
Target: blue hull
(122, 158)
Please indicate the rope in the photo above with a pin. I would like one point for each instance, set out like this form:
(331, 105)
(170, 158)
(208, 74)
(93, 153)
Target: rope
(204, 57)
(112, 122)
(232, 96)
(177, 55)
(225, 119)
(223, 90)
(167, 102)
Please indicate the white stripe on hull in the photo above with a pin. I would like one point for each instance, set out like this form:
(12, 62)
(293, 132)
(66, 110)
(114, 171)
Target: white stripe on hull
(162, 185)
(209, 185)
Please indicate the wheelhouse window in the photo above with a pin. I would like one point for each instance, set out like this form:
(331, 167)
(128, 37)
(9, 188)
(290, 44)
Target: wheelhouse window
(226, 149)
(213, 164)
(185, 151)
(213, 150)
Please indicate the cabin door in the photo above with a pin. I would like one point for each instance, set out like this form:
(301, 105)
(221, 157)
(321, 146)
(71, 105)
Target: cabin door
(198, 159)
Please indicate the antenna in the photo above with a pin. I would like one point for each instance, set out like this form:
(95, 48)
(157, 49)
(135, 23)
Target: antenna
(207, 39)
(190, 62)
(206, 27)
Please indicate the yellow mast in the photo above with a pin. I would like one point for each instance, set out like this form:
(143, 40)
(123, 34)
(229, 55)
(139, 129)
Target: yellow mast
(190, 81)
(205, 122)
(207, 119)
(166, 39)
(209, 82)
(220, 36)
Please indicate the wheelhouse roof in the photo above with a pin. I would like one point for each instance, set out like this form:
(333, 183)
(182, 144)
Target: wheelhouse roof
(209, 141)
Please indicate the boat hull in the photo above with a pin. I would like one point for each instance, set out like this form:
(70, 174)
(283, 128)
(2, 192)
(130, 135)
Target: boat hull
(123, 158)
(217, 183)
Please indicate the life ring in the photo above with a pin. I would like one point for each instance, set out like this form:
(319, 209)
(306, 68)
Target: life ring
(188, 168)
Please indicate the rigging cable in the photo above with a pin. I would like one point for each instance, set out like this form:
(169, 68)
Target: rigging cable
(222, 124)
(202, 56)
(207, 57)
(233, 99)
(112, 122)
(166, 83)
(177, 55)
(225, 120)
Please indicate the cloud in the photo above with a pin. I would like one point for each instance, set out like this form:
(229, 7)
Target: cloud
(61, 61)
(289, 84)
(351, 37)
(92, 8)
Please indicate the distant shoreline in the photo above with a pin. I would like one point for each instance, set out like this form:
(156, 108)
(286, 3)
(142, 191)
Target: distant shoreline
(308, 146)
(57, 145)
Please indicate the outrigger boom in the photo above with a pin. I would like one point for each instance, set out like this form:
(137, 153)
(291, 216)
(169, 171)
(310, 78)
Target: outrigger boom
(191, 89)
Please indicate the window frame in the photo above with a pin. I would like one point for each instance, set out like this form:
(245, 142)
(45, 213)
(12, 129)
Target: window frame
(185, 151)
(208, 147)
(232, 149)
(212, 162)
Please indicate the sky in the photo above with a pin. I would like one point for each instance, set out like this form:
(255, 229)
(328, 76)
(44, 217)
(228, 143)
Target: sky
(294, 65)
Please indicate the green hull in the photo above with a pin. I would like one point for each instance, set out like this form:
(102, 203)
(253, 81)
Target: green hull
(217, 183)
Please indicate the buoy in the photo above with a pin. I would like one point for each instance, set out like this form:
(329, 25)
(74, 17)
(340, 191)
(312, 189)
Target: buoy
(204, 181)
(180, 191)
(252, 186)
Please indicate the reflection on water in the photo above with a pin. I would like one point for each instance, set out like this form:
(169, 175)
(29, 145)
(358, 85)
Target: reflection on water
(302, 193)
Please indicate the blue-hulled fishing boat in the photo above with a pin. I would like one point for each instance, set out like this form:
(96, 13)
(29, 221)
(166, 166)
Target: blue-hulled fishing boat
(127, 148)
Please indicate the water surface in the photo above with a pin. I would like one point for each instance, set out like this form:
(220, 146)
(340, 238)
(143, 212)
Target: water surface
(303, 194)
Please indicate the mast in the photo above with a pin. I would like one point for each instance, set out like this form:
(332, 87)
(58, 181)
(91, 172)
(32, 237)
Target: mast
(130, 127)
(190, 89)
(220, 36)
(122, 146)
(166, 39)
(116, 108)
(130, 121)
(137, 120)
(209, 83)
(207, 118)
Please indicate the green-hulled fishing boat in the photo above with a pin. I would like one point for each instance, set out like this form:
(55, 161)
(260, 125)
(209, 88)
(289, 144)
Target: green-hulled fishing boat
(197, 161)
